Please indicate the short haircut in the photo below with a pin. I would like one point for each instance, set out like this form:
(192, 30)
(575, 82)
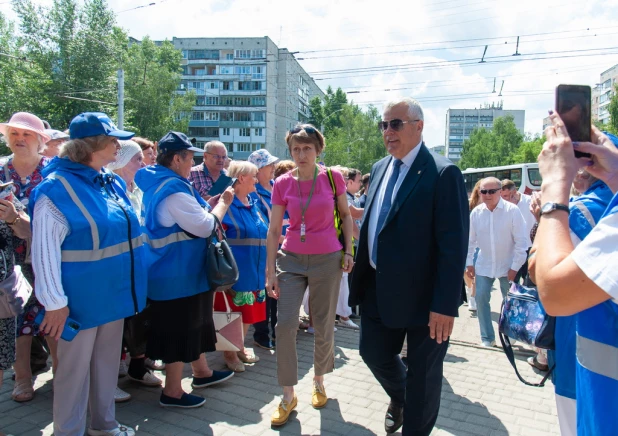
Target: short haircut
(303, 137)
(165, 159)
(415, 111)
(212, 144)
(365, 179)
(144, 143)
(353, 173)
(81, 150)
(284, 166)
(343, 170)
(508, 184)
(491, 180)
(240, 168)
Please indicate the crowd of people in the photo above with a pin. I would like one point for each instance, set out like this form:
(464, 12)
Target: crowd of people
(111, 232)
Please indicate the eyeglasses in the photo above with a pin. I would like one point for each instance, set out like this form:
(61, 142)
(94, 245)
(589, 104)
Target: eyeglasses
(308, 129)
(489, 191)
(218, 156)
(395, 124)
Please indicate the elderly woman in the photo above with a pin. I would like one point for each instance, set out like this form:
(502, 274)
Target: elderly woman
(87, 244)
(265, 162)
(56, 139)
(177, 221)
(148, 149)
(246, 230)
(14, 226)
(129, 160)
(311, 255)
(26, 137)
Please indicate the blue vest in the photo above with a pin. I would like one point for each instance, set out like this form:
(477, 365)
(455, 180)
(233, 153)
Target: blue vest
(264, 200)
(103, 259)
(246, 231)
(597, 365)
(586, 211)
(176, 259)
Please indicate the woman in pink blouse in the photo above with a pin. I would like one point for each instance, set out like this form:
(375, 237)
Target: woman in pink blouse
(311, 255)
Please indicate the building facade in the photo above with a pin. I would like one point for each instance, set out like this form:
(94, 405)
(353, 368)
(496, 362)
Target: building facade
(546, 122)
(602, 94)
(461, 122)
(249, 93)
(439, 149)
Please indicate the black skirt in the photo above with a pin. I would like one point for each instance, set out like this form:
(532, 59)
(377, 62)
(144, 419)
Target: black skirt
(181, 329)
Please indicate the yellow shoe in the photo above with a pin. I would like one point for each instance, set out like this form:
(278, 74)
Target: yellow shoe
(318, 398)
(282, 414)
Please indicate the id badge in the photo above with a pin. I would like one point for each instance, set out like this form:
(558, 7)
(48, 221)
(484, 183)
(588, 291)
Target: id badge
(303, 230)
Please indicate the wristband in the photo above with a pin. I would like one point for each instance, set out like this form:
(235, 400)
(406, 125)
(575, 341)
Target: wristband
(348, 254)
(15, 221)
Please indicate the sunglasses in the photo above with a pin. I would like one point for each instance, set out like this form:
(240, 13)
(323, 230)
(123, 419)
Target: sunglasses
(489, 191)
(308, 129)
(395, 124)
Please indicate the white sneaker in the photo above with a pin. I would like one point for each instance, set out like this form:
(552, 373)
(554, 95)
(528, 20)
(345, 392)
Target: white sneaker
(155, 365)
(149, 379)
(122, 369)
(488, 344)
(121, 430)
(348, 323)
(120, 396)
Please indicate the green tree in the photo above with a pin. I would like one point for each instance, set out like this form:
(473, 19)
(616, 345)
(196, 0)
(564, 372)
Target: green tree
(496, 147)
(316, 112)
(152, 75)
(612, 126)
(529, 150)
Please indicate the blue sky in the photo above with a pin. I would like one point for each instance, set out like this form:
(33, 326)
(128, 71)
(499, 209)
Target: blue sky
(439, 42)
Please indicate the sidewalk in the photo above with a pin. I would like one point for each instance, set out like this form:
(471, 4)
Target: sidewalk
(481, 396)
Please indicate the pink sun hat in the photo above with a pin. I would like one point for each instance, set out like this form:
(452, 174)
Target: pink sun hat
(27, 121)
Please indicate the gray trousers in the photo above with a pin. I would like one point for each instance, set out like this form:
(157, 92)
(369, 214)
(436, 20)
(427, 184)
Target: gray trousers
(87, 376)
(322, 273)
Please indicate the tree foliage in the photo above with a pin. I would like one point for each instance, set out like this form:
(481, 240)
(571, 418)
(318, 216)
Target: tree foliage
(63, 60)
(612, 126)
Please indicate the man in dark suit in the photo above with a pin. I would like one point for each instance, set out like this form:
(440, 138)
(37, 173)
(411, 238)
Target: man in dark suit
(409, 268)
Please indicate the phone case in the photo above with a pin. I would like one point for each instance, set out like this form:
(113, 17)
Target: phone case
(71, 327)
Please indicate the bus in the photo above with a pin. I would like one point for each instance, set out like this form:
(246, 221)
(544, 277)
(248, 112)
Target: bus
(526, 176)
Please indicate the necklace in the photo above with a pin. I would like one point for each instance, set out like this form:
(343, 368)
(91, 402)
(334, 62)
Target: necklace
(303, 209)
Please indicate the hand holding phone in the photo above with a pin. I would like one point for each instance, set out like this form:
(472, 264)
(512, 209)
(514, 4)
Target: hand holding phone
(573, 104)
(58, 324)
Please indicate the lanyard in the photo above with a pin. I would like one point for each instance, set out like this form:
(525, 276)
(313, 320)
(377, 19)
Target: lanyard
(303, 209)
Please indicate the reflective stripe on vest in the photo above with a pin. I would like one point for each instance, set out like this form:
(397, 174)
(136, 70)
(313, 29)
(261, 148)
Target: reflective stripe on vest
(265, 203)
(598, 357)
(102, 253)
(585, 212)
(94, 230)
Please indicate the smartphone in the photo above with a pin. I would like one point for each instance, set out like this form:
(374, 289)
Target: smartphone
(222, 183)
(573, 104)
(71, 327)
(6, 191)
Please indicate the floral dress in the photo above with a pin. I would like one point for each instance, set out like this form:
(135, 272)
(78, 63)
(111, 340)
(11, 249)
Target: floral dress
(22, 188)
(8, 242)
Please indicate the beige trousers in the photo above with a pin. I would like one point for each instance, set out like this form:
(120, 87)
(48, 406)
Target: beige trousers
(86, 379)
(322, 273)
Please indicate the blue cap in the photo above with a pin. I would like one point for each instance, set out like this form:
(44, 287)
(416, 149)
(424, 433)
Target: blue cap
(95, 124)
(175, 141)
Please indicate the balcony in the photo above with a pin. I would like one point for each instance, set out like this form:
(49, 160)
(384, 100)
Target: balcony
(202, 123)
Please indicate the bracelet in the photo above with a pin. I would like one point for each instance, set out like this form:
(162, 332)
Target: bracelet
(15, 221)
(349, 254)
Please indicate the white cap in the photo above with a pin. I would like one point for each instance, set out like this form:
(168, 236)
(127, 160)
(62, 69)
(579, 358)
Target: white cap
(128, 149)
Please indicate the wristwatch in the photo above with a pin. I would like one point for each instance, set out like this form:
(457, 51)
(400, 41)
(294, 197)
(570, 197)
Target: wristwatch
(550, 207)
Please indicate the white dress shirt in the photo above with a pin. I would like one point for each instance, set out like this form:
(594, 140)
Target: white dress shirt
(530, 220)
(501, 237)
(407, 162)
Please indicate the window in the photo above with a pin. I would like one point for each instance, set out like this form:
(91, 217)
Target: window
(242, 70)
(211, 116)
(242, 101)
(243, 54)
(244, 132)
(200, 72)
(225, 131)
(258, 101)
(209, 132)
(226, 70)
(259, 116)
(258, 72)
(227, 86)
(259, 132)
(249, 86)
(212, 101)
(185, 54)
(227, 116)
(212, 85)
(203, 54)
(535, 176)
(197, 116)
(245, 147)
(242, 116)
(229, 56)
(258, 53)
(185, 70)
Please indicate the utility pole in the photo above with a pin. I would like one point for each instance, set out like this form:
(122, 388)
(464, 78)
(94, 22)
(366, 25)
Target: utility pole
(121, 98)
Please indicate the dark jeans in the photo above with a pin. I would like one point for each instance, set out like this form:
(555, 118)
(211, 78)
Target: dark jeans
(261, 332)
(418, 388)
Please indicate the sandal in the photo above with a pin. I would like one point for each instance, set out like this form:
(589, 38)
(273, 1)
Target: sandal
(247, 358)
(533, 361)
(23, 391)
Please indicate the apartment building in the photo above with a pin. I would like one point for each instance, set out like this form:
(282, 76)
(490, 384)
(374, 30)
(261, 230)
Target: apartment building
(602, 94)
(249, 93)
(461, 122)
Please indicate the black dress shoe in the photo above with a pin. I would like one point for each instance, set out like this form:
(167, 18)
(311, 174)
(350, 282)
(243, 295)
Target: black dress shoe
(394, 418)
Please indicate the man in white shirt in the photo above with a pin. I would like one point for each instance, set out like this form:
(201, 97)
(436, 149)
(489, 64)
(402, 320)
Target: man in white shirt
(498, 229)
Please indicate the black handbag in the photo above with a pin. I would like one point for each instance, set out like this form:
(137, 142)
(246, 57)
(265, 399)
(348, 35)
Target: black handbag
(221, 268)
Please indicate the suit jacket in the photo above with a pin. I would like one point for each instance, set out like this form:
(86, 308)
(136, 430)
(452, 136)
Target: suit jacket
(422, 247)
